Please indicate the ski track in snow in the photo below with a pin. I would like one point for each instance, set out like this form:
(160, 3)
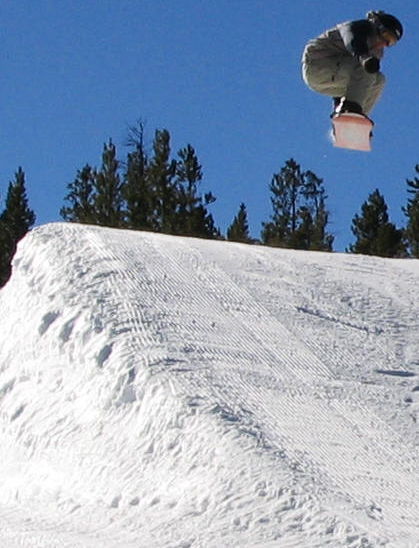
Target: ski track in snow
(171, 392)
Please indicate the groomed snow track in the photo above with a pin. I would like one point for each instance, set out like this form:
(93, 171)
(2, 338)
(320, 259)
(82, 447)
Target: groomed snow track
(167, 392)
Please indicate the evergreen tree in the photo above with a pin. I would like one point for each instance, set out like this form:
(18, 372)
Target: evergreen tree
(314, 215)
(411, 211)
(15, 221)
(81, 198)
(205, 220)
(189, 175)
(193, 218)
(238, 231)
(375, 235)
(137, 190)
(284, 188)
(108, 190)
(96, 197)
(299, 215)
(17, 216)
(161, 175)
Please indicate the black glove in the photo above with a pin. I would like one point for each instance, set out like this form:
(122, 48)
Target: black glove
(371, 64)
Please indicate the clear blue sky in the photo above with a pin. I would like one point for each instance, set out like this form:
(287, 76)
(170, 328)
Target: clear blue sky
(222, 75)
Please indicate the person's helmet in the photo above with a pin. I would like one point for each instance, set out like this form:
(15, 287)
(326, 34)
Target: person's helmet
(388, 25)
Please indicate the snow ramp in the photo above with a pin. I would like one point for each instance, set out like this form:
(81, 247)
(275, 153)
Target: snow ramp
(167, 392)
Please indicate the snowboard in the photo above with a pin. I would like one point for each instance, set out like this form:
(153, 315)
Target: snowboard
(352, 131)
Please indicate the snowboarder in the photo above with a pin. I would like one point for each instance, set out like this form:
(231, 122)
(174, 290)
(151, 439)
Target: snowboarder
(344, 62)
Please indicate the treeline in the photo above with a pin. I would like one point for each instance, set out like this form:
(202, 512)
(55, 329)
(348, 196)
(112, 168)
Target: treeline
(159, 193)
(154, 191)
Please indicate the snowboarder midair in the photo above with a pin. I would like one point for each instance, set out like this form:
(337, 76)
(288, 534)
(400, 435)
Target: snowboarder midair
(344, 62)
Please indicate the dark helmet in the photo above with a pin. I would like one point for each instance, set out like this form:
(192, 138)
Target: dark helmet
(386, 22)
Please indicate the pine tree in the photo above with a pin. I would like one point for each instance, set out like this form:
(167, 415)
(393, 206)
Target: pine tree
(238, 231)
(314, 215)
(205, 220)
(375, 235)
(411, 211)
(189, 175)
(193, 218)
(299, 215)
(17, 215)
(137, 190)
(81, 198)
(95, 197)
(15, 221)
(161, 175)
(284, 188)
(108, 190)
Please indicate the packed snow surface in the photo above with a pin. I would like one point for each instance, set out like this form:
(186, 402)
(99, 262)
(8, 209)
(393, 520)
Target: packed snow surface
(158, 391)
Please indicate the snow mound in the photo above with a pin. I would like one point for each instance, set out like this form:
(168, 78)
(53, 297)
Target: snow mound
(166, 392)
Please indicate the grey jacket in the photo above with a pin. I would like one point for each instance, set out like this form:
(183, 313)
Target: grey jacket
(353, 38)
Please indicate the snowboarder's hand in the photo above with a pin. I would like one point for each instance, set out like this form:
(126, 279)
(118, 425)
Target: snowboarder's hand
(371, 64)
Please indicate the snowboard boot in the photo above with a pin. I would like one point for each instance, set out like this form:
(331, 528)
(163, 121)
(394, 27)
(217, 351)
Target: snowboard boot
(342, 105)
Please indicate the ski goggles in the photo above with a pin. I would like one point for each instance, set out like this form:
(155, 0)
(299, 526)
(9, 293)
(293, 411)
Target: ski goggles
(389, 37)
